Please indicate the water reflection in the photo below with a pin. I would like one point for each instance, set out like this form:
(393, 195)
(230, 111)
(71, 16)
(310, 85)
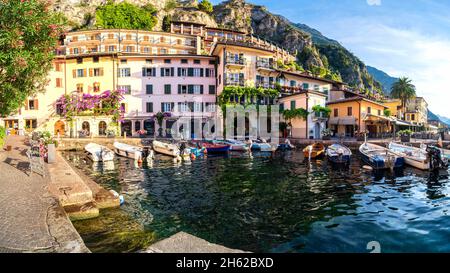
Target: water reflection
(273, 203)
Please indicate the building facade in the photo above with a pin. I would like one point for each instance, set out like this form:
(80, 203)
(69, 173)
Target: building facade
(417, 112)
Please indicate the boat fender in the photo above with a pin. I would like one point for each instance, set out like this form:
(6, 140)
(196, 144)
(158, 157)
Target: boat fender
(121, 199)
(192, 156)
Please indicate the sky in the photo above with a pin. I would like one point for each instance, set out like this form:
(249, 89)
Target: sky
(401, 37)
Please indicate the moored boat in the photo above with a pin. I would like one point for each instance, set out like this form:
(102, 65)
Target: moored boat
(314, 151)
(166, 148)
(380, 158)
(98, 152)
(415, 157)
(286, 146)
(262, 146)
(236, 146)
(339, 154)
(212, 148)
(133, 152)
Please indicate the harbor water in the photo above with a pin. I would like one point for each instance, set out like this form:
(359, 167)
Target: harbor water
(262, 203)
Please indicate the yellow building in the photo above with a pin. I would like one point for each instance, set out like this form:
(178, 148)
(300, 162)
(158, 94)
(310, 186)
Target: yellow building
(395, 107)
(358, 114)
(417, 112)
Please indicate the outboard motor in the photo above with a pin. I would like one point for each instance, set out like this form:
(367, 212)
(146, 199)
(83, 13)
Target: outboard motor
(182, 148)
(436, 159)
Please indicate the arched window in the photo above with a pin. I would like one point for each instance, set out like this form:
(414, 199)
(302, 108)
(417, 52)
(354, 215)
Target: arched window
(102, 128)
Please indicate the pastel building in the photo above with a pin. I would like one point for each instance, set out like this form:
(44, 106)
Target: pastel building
(417, 112)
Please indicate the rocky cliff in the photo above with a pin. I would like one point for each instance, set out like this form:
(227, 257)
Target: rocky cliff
(314, 51)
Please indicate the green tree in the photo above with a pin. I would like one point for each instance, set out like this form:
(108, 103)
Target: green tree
(167, 20)
(125, 15)
(205, 6)
(29, 32)
(404, 90)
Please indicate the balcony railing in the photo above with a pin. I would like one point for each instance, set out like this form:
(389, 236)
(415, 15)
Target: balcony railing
(234, 82)
(265, 85)
(235, 61)
(265, 64)
(320, 115)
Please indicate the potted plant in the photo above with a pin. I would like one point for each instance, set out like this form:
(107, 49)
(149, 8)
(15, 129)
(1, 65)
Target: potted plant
(142, 133)
(326, 134)
(405, 135)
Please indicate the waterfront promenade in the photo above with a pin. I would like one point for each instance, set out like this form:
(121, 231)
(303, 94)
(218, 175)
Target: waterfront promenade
(31, 219)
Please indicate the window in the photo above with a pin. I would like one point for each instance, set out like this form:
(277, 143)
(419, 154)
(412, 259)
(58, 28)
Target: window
(123, 61)
(30, 124)
(129, 49)
(379, 112)
(79, 60)
(124, 72)
(413, 117)
(58, 67)
(167, 72)
(210, 107)
(167, 106)
(198, 89)
(110, 36)
(167, 61)
(148, 72)
(111, 48)
(146, 49)
(183, 107)
(212, 62)
(167, 89)
(336, 112)
(198, 72)
(369, 110)
(96, 72)
(316, 88)
(293, 106)
(128, 37)
(80, 88)
(123, 106)
(148, 61)
(212, 90)
(182, 72)
(281, 107)
(182, 89)
(75, 51)
(349, 111)
(306, 86)
(198, 107)
(58, 82)
(197, 62)
(210, 72)
(293, 83)
(32, 105)
(184, 61)
(96, 87)
(149, 107)
(125, 88)
(149, 89)
(80, 73)
(95, 59)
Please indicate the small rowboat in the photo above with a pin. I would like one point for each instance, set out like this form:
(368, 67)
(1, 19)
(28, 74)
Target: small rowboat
(216, 148)
(415, 157)
(339, 154)
(380, 158)
(133, 152)
(314, 151)
(236, 146)
(263, 146)
(98, 153)
(166, 148)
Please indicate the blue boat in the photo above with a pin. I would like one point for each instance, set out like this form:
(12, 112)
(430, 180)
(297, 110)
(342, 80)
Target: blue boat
(380, 158)
(216, 148)
(339, 154)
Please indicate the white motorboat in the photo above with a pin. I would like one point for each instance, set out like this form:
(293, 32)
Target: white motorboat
(415, 157)
(379, 157)
(236, 146)
(133, 152)
(166, 148)
(99, 153)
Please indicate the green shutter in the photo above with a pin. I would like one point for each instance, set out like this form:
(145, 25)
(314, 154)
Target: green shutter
(293, 105)
(190, 72)
(201, 72)
(149, 89)
(212, 90)
(167, 89)
(162, 72)
(201, 89)
(179, 89)
(172, 71)
(190, 89)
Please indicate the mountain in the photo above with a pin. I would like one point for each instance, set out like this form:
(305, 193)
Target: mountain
(444, 119)
(382, 77)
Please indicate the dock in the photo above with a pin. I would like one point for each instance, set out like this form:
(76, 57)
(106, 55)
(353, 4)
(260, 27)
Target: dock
(183, 242)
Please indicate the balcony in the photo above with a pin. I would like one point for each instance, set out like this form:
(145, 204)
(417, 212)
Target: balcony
(320, 116)
(289, 90)
(265, 85)
(234, 82)
(235, 62)
(265, 64)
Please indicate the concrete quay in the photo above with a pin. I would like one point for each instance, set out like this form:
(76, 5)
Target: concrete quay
(31, 218)
(183, 242)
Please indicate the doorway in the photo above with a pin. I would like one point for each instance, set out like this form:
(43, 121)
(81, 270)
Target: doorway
(60, 128)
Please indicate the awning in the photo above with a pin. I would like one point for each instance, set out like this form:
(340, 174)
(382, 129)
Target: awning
(371, 117)
(342, 121)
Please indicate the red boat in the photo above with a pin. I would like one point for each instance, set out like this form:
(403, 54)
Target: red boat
(216, 148)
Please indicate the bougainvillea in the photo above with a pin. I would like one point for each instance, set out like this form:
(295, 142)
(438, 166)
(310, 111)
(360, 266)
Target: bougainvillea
(29, 32)
(107, 104)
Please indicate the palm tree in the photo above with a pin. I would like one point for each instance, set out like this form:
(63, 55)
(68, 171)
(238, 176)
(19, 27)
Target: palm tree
(404, 90)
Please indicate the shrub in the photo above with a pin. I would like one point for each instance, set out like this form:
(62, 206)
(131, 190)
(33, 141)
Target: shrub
(2, 136)
(125, 15)
(405, 133)
(205, 6)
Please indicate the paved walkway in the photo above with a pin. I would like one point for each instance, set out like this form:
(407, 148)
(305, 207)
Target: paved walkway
(31, 220)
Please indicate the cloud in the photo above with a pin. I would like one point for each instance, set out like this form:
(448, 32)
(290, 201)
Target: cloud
(374, 2)
(423, 57)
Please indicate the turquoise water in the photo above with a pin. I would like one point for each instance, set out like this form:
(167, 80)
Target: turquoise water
(270, 204)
